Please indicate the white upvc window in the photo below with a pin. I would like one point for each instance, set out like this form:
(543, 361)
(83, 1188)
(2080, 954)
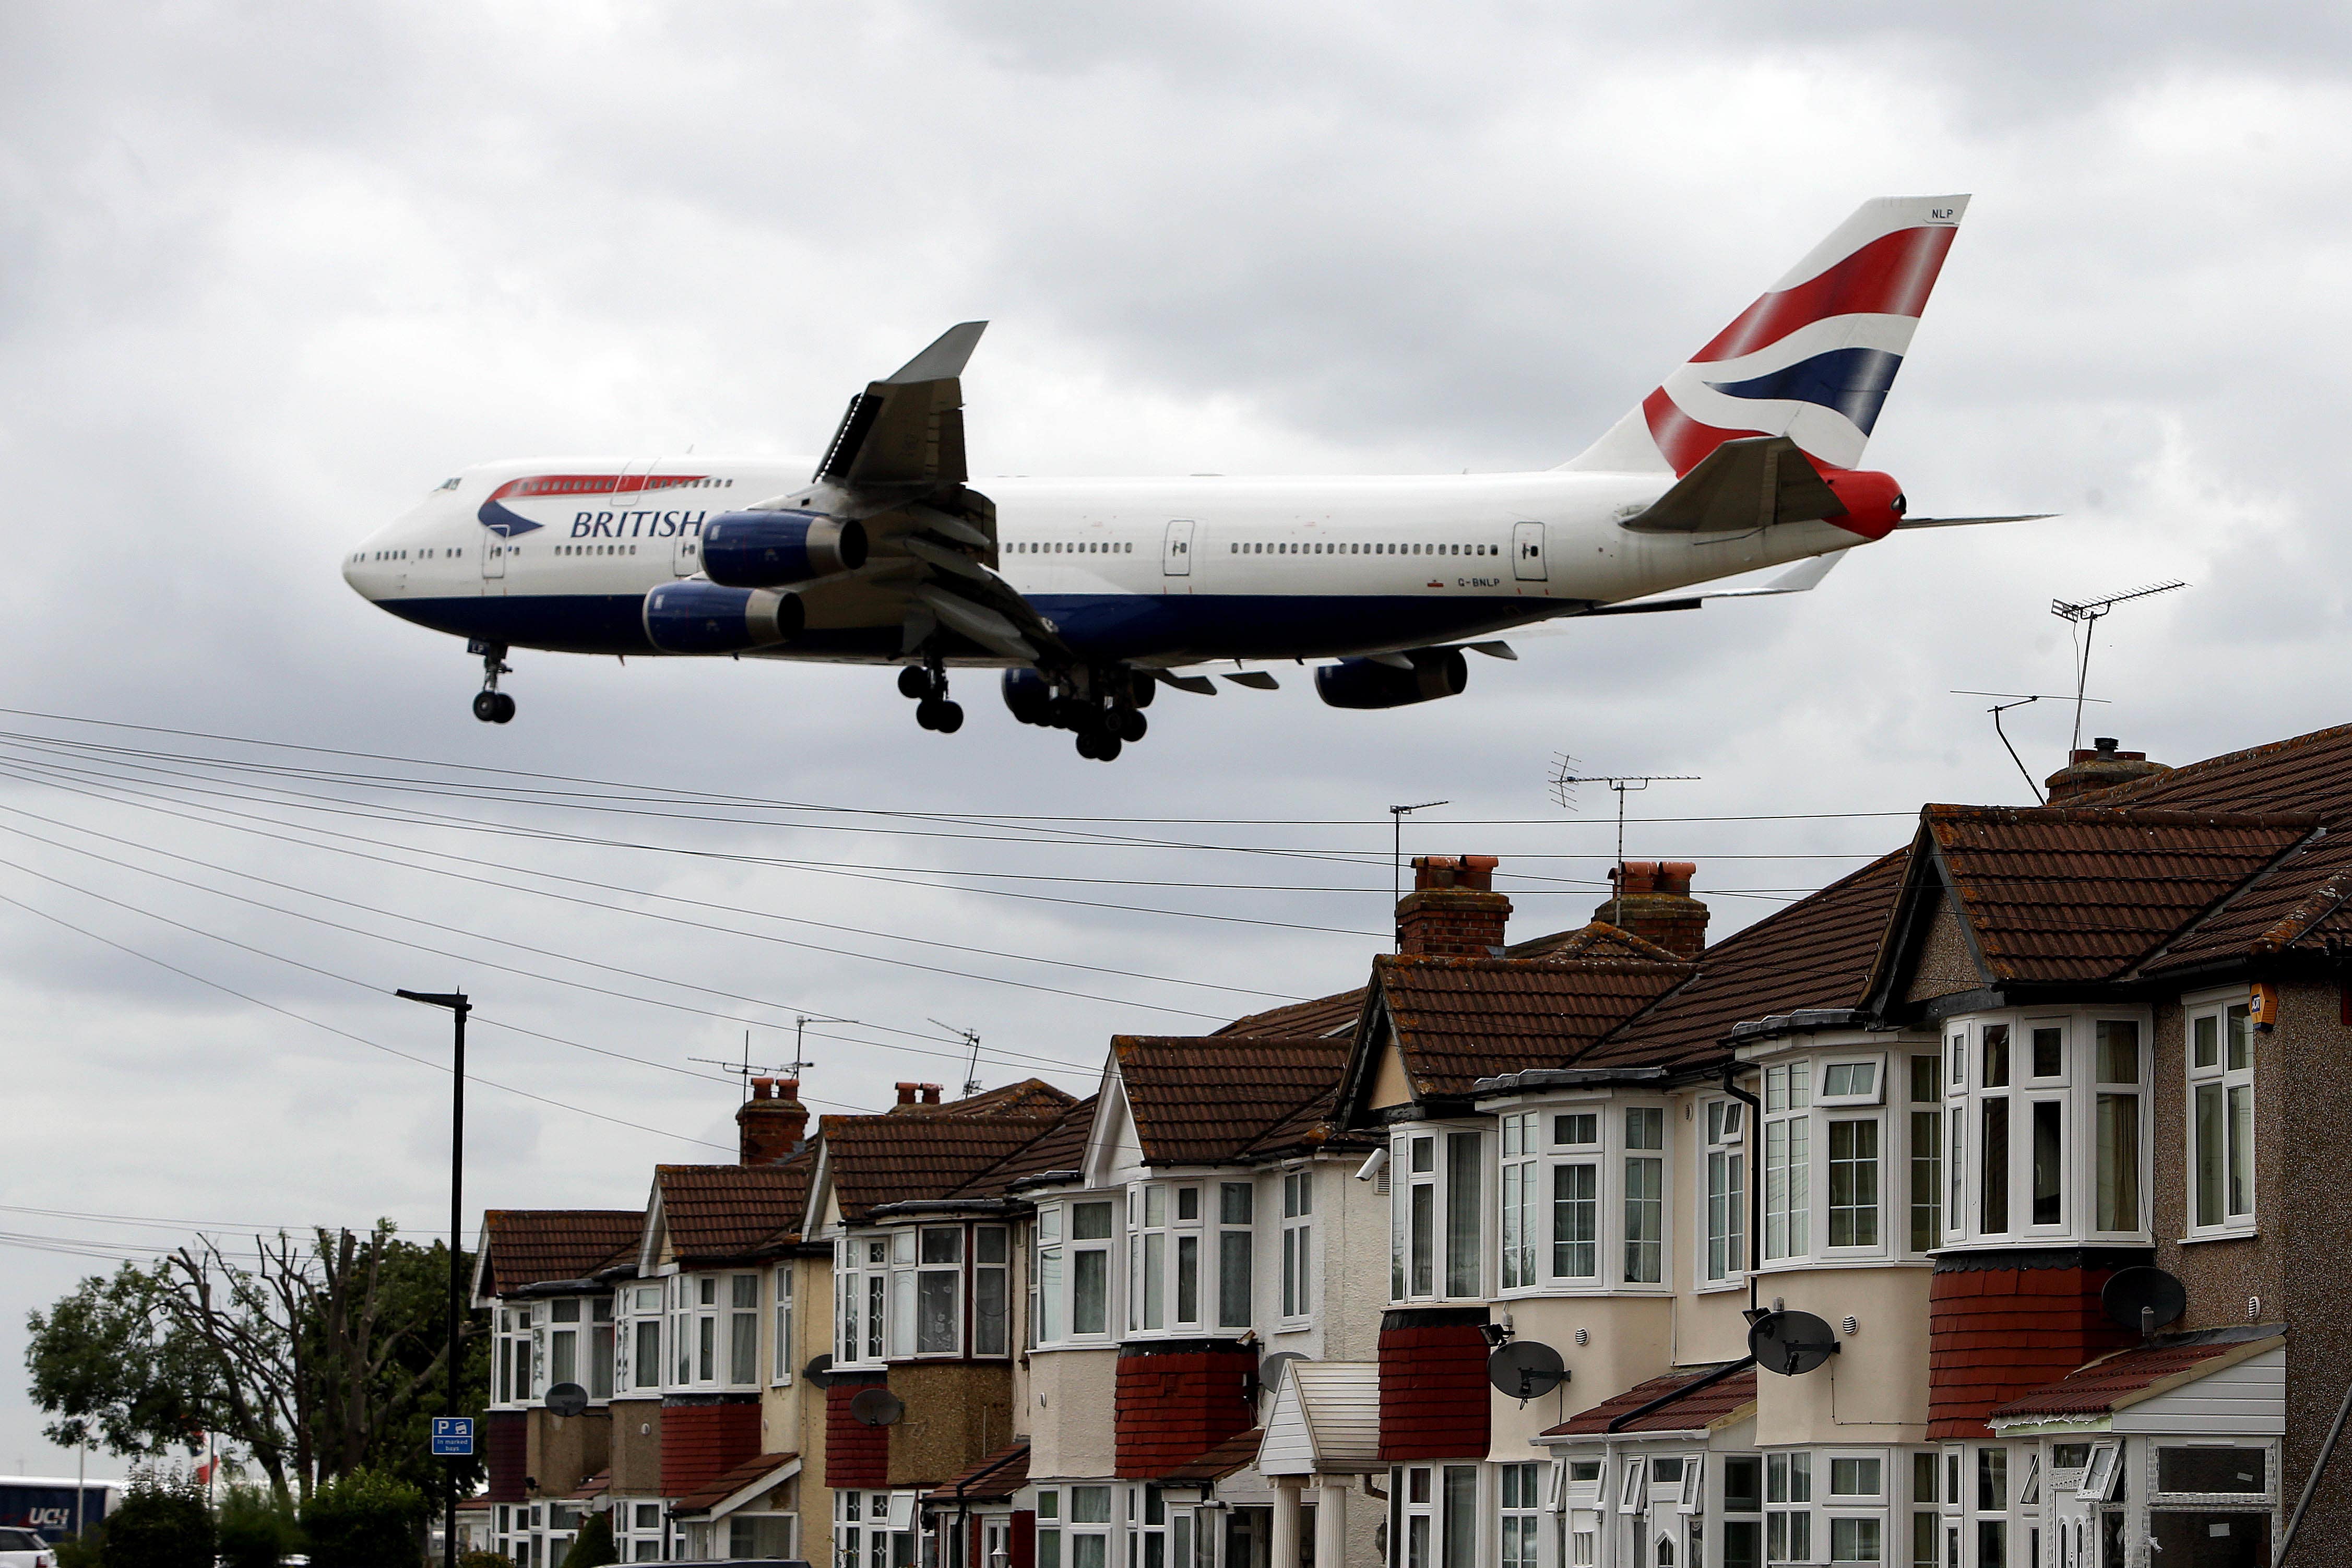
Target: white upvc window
(1298, 1248)
(1520, 1526)
(1074, 1244)
(992, 1291)
(1163, 1258)
(1725, 1221)
(1788, 1161)
(1926, 1128)
(742, 1368)
(1576, 1194)
(2220, 1120)
(580, 1343)
(2044, 1130)
(1236, 1247)
(781, 1351)
(1519, 1204)
(1434, 1249)
(2119, 1067)
(1645, 1194)
(861, 1300)
(1854, 1166)
(513, 1375)
(1787, 1507)
(643, 1341)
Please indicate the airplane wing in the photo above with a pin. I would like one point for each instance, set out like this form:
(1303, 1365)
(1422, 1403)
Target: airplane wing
(1741, 485)
(896, 465)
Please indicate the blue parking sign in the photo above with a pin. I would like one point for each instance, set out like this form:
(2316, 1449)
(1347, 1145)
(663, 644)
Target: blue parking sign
(453, 1436)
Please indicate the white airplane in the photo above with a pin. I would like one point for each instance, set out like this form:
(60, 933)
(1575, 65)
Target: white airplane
(1089, 594)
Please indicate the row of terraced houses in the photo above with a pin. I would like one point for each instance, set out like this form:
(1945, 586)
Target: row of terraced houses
(1236, 1309)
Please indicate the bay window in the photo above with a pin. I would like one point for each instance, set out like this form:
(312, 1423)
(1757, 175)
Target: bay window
(1440, 1177)
(1073, 1264)
(1163, 1249)
(2041, 1136)
(2220, 1120)
(1726, 1190)
(1298, 1231)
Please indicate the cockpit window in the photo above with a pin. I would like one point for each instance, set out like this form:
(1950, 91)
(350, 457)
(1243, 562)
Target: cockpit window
(449, 484)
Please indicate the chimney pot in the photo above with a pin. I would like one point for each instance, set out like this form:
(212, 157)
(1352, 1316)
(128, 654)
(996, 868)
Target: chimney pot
(1653, 902)
(930, 1092)
(1453, 910)
(906, 1093)
(761, 1088)
(788, 1088)
(2101, 767)
(769, 1126)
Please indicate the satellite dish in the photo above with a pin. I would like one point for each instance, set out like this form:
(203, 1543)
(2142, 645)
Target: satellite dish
(566, 1399)
(877, 1407)
(818, 1369)
(1523, 1368)
(1269, 1371)
(1791, 1343)
(2144, 1299)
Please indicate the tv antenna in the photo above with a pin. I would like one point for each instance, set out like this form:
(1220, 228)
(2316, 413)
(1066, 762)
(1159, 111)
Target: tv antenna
(1397, 813)
(2086, 615)
(2019, 699)
(800, 1062)
(1565, 778)
(743, 1070)
(972, 1069)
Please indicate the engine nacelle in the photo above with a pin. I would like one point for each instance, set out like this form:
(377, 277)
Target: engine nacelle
(773, 549)
(1028, 696)
(710, 618)
(1370, 683)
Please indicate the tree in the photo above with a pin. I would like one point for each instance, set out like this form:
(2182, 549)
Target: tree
(593, 1547)
(318, 1359)
(256, 1528)
(161, 1522)
(367, 1519)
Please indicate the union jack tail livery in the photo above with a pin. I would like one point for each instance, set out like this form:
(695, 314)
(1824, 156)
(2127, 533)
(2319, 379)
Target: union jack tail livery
(1812, 360)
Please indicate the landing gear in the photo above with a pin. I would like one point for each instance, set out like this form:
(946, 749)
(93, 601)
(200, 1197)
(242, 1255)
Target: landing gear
(492, 705)
(928, 686)
(1098, 704)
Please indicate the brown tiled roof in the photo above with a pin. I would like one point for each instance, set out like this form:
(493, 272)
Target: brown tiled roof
(714, 1211)
(1597, 939)
(1000, 1475)
(1235, 1453)
(1202, 1101)
(710, 1494)
(1333, 1015)
(1816, 952)
(2300, 905)
(2128, 1376)
(1062, 1146)
(2306, 773)
(534, 1247)
(929, 1152)
(2054, 894)
(1460, 1019)
(1715, 1404)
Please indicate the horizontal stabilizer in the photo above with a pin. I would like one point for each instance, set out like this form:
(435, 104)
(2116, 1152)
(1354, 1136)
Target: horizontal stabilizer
(1801, 578)
(1740, 486)
(1972, 521)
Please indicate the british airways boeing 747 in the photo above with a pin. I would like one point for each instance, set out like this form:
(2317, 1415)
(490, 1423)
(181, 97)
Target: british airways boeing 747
(1088, 594)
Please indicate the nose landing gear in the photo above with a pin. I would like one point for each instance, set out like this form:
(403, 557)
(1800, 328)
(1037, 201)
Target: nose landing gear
(492, 705)
(928, 686)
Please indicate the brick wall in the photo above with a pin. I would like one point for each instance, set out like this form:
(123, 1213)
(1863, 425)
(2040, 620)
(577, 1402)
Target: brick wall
(855, 1455)
(505, 1444)
(1177, 1400)
(1452, 922)
(703, 1436)
(1433, 1392)
(2001, 1324)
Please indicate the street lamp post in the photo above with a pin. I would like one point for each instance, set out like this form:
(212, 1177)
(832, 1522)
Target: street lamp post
(458, 1006)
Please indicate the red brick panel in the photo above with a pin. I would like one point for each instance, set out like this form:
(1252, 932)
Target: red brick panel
(1172, 1404)
(1024, 1539)
(1995, 1334)
(506, 1445)
(855, 1455)
(1432, 1389)
(700, 1443)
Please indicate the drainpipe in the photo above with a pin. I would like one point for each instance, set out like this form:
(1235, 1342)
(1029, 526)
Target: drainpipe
(963, 1505)
(2311, 1482)
(1755, 1182)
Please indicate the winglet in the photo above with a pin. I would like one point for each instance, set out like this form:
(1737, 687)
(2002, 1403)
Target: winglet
(946, 357)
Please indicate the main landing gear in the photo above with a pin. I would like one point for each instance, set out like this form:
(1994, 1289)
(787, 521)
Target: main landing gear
(926, 686)
(492, 705)
(1099, 706)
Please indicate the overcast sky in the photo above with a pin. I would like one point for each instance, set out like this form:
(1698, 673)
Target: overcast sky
(271, 272)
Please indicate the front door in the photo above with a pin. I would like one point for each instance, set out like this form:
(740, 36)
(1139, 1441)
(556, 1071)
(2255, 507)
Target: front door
(1176, 551)
(494, 555)
(1526, 552)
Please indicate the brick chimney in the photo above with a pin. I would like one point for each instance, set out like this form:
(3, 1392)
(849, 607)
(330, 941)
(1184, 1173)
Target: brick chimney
(906, 1093)
(1653, 901)
(2101, 768)
(1453, 910)
(769, 1125)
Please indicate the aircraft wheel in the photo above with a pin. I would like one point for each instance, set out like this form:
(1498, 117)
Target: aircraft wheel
(1106, 749)
(915, 683)
(1131, 725)
(1067, 713)
(506, 709)
(486, 707)
(947, 718)
(926, 713)
(1089, 746)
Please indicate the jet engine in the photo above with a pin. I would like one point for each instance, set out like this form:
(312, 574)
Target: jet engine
(1376, 683)
(707, 617)
(772, 549)
(1029, 696)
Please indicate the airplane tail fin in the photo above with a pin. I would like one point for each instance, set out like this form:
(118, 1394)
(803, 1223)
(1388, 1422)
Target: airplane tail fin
(1812, 360)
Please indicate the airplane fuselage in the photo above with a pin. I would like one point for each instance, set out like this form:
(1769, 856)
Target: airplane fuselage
(560, 553)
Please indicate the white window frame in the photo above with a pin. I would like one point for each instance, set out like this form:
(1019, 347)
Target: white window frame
(1456, 1173)
(1236, 1238)
(740, 1346)
(938, 1257)
(1646, 1179)
(1785, 1157)
(1159, 1234)
(1723, 1193)
(1576, 1138)
(1876, 1164)
(782, 1339)
(1297, 1302)
(2229, 1079)
(989, 1248)
(1057, 1253)
(644, 1308)
(1519, 1201)
(1518, 1514)
(1874, 1093)
(1790, 1473)
(861, 1300)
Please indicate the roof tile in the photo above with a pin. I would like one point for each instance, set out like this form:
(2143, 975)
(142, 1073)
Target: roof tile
(1713, 1405)
(1210, 1099)
(537, 1246)
(1460, 1019)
